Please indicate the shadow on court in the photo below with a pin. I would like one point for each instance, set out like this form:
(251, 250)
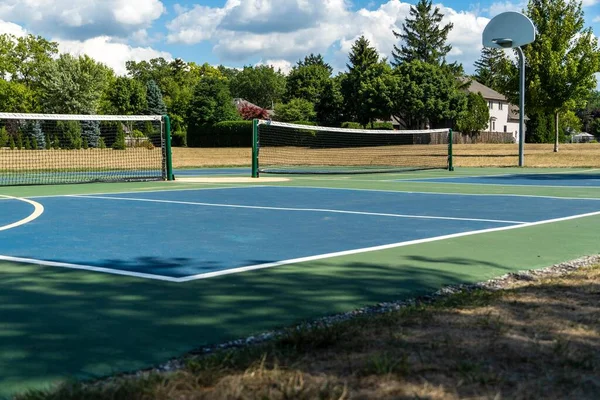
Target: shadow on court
(60, 324)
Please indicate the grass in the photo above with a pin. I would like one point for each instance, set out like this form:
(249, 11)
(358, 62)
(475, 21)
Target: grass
(535, 339)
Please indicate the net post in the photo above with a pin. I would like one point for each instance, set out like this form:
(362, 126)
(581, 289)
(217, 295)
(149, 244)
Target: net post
(450, 150)
(169, 155)
(255, 148)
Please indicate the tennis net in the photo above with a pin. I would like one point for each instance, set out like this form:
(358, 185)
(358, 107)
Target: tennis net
(283, 148)
(40, 149)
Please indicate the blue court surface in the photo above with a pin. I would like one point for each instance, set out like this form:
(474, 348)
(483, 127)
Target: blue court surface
(192, 234)
(554, 180)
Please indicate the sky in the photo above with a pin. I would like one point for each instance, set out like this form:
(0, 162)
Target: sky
(236, 33)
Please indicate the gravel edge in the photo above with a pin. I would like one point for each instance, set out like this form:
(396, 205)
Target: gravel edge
(500, 283)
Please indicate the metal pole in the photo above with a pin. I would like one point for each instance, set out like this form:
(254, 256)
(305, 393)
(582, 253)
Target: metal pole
(521, 106)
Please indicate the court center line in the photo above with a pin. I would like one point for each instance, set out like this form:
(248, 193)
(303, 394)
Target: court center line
(38, 210)
(318, 210)
(290, 261)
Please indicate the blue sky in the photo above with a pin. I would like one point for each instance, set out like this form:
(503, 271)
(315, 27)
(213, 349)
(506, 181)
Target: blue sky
(243, 32)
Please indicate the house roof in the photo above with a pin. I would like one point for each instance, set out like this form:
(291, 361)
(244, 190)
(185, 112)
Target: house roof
(486, 92)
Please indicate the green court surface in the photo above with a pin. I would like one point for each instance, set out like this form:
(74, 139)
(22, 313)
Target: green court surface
(58, 324)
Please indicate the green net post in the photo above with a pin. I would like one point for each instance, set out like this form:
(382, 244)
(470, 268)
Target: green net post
(255, 148)
(450, 154)
(169, 155)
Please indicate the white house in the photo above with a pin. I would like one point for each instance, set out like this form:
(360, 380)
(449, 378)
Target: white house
(504, 117)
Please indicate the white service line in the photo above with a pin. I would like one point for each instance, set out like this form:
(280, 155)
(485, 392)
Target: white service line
(320, 210)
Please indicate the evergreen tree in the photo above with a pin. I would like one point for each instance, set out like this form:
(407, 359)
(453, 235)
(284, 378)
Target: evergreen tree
(34, 129)
(423, 36)
(490, 67)
(90, 133)
(156, 105)
(368, 85)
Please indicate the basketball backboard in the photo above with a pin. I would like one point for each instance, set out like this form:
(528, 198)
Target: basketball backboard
(508, 30)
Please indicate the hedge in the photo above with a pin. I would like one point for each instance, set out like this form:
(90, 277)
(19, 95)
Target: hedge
(385, 126)
(221, 134)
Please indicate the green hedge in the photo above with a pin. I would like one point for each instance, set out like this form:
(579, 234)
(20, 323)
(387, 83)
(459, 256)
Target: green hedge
(221, 134)
(384, 126)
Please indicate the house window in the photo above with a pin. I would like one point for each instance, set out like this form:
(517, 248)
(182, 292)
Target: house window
(499, 106)
(493, 126)
(505, 128)
(491, 105)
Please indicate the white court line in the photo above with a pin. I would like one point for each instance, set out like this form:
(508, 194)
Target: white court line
(319, 210)
(441, 193)
(290, 261)
(88, 268)
(494, 175)
(513, 185)
(38, 210)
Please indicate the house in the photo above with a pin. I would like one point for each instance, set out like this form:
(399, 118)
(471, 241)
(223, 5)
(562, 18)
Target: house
(582, 137)
(504, 117)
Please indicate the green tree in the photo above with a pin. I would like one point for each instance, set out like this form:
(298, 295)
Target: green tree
(34, 130)
(154, 100)
(73, 85)
(126, 96)
(70, 132)
(427, 95)
(16, 97)
(308, 79)
(476, 115)
(211, 103)
(423, 36)
(330, 108)
(90, 133)
(368, 86)
(490, 68)
(261, 85)
(296, 110)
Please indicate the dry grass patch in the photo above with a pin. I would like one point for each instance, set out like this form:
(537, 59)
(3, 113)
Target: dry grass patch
(536, 339)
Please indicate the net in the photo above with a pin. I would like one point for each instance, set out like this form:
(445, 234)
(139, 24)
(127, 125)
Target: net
(300, 149)
(40, 149)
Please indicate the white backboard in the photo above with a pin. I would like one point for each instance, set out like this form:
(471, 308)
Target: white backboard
(508, 30)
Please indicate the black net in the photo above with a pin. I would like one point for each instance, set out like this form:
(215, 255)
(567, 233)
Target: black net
(299, 149)
(55, 149)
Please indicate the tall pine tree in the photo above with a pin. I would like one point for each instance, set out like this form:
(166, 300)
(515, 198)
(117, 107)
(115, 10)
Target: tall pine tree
(368, 84)
(490, 68)
(423, 37)
(156, 105)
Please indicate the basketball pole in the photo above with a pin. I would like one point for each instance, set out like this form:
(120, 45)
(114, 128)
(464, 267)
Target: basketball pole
(521, 106)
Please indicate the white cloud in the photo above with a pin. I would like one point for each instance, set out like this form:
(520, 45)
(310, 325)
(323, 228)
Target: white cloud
(504, 6)
(82, 19)
(12, 29)
(290, 29)
(108, 51)
(284, 66)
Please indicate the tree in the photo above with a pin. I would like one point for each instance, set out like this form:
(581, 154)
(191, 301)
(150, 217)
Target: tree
(71, 85)
(90, 133)
(561, 63)
(427, 95)
(423, 36)
(330, 108)
(126, 96)
(368, 86)
(250, 111)
(34, 130)
(475, 117)
(154, 99)
(490, 68)
(16, 97)
(261, 85)
(308, 79)
(296, 110)
(211, 103)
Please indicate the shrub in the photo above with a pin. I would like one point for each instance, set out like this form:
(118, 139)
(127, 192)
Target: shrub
(3, 137)
(221, 134)
(179, 139)
(249, 112)
(119, 143)
(374, 125)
